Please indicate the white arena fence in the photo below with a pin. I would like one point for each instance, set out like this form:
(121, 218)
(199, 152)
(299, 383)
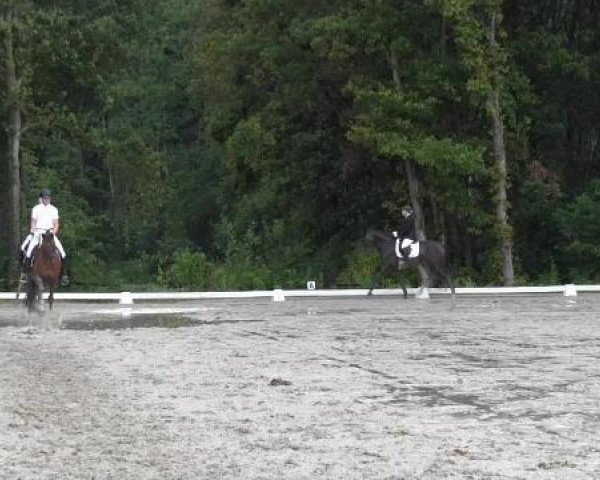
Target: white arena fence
(569, 290)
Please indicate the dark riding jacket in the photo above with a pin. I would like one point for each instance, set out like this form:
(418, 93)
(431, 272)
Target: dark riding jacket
(407, 228)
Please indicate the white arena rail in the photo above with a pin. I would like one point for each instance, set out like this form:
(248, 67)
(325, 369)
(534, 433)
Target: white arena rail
(569, 290)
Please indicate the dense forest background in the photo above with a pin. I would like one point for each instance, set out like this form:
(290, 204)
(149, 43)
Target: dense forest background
(237, 144)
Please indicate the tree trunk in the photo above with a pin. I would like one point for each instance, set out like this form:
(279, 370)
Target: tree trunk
(505, 230)
(411, 176)
(13, 135)
(414, 187)
(443, 33)
(439, 222)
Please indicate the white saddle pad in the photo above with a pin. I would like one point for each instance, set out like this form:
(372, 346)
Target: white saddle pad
(414, 248)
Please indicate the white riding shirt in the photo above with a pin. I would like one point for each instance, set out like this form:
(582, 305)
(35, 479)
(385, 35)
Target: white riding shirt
(44, 216)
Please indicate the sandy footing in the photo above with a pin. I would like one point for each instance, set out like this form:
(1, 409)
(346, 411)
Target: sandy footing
(374, 388)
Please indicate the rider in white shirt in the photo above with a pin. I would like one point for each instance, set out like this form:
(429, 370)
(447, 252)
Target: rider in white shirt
(29, 237)
(44, 216)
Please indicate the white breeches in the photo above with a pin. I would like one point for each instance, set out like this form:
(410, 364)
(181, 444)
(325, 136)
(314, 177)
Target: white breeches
(36, 240)
(26, 242)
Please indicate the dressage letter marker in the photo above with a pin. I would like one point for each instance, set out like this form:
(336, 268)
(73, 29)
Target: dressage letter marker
(278, 295)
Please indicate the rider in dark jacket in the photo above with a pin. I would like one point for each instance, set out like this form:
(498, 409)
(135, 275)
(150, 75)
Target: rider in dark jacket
(406, 230)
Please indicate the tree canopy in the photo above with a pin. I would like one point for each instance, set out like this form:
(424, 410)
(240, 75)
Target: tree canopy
(225, 144)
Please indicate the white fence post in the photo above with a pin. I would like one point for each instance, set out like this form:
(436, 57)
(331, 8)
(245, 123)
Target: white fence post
(570, 290)
(278, 295)
(422, 294)
(126, 298)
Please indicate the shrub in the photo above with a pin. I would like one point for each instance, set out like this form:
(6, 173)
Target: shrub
(189, 270)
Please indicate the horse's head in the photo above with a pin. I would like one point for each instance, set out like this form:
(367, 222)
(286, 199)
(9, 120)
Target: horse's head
(45, 271)
(48, 237)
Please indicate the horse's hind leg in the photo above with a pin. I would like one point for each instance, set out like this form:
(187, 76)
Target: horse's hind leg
(448, 279)
(51, 298)
(451, 283)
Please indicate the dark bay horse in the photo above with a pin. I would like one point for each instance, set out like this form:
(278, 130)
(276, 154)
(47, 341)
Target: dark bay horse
(432, 256)
(44, 273)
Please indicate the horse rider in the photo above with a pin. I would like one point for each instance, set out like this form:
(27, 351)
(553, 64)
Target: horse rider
(44, 216)
(406, 233)
(28, 238)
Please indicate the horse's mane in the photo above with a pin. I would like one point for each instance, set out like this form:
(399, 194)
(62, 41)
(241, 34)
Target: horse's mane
(47, 243)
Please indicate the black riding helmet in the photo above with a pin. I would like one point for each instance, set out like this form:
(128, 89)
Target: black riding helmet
(406, 211)
(45, 193)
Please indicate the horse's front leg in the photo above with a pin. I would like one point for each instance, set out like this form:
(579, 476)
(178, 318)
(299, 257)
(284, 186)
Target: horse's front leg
(402, 264)
(377, 279)
(39, 293)
(29, 294)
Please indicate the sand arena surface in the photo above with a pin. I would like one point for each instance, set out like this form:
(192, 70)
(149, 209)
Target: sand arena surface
(350, 388)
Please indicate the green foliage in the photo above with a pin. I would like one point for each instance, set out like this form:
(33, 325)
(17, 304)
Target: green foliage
(190, 270)
(270, 135)
(360, 269)
(551, 276)
(241, 276)
(580, 262)
(486, 61)
(579, 221)
(537, 230)
(466, 277)
(492, 269)
(579, 226)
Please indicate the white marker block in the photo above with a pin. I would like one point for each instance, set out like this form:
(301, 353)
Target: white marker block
(311, 285)
(126, 298)
(422, 294)
(278, 295)
(570, 290)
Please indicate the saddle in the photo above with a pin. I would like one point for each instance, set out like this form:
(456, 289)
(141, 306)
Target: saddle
(34, 253)
(406, 248)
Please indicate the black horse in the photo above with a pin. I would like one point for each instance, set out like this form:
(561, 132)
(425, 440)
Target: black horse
(432, 256)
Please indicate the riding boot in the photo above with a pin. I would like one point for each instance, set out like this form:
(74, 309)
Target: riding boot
(63, 276)
(26, 264)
